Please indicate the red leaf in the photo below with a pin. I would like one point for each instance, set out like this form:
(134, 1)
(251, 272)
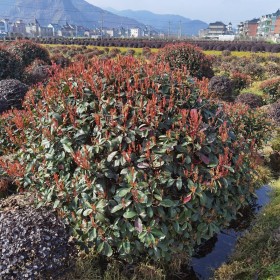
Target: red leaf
(187, 198)
(204, 158)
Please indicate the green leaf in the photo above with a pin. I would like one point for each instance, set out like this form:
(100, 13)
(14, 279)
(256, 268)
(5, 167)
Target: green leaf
(111, 156)
(45, 143)
(213, 161)
(211, 138)
(229, 168)
(212, 165)
(142, 235)
(56, 203)
(150, 212)
(79, 212)
(158, 197)
(150, 239)
(168, 203)
(158, 233)
(181, 149)
(101, 204)
(67, 148)
(100, 247)
(116, 208)
(108, 252)
(66, 143)
(109, 174)
(202, 227)
(143, 165)
(188, 160)
(129, 214)
(170, 182)
(203, 199)
(177, 227)
(92, 234)
(207, 150)
(100, 217)
(157, 164)
(179, 184)
(124, 171)
(49, 197)
(123, 192)
(126, 247)
(81, 134)
(224, 182)
(87, 212)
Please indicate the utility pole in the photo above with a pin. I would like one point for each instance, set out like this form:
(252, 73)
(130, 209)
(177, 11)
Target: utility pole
(180, 30)
(102, 23)
(169, 23)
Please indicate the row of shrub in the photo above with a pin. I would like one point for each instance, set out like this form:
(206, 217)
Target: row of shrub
(251, 46)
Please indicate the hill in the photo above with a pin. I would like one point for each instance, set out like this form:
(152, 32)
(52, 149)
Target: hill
(78, 12)
(165, 22)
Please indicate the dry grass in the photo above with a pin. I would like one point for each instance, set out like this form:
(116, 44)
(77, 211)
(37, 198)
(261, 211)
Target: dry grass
(91, 267)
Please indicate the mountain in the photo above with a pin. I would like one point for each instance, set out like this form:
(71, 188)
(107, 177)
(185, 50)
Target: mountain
(166, 22)
(78, 12)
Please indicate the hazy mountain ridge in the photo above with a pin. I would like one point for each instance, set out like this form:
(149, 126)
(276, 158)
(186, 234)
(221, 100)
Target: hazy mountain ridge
(77, 12)
(164, 22)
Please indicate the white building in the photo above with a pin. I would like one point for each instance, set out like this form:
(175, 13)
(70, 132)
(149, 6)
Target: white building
(56, 29)
(217, 30)
(136, 32)
(19, 27)
(5, 26)
(111, 32)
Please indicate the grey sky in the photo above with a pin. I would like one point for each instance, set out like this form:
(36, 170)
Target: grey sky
(206, 10)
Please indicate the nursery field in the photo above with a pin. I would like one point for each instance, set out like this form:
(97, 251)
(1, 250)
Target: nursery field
(121, 162)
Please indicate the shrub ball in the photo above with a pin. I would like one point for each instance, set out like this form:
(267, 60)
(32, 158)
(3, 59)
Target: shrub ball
(34, 244)
(12, 93)
(222, 88)
(250, 99)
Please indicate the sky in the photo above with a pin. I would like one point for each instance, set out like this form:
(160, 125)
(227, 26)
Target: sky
(233, 11)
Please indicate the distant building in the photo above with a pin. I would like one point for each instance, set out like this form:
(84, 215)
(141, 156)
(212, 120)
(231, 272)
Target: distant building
(251, 27)
(111, 32)
(268, 25)
(136, 32)
(72, 30)
(277, 27)
(150, 32)
(215, 30)
(68, 30)
(248, 28)
(19, 28)
(56, 29)
(95, 33)
(34, 29)
(123, 32)
(276, 23)
(5, 26)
